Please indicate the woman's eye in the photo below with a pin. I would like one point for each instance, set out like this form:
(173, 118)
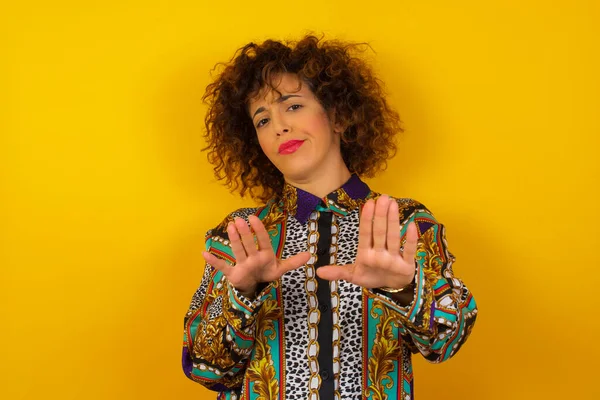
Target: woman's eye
(262, 122)
(294, 107)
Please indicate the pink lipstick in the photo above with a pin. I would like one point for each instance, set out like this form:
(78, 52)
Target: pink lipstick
(290, 146)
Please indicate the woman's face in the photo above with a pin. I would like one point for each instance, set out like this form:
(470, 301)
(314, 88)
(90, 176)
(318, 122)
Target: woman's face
(294, 130)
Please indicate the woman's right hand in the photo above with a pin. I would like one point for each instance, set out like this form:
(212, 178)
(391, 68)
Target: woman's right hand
(255, 261)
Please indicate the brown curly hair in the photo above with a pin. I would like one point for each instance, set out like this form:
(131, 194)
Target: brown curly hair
(340, 80)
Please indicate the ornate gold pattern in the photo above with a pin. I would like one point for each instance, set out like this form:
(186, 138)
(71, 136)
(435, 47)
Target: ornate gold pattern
(232, 381)
(208, 345)
(209, 349)
(273, 218)
(223, 225)
(261, 370)
(314, 315)
(335, 308)
(345, 201)
(234, 319)
(385, 351)
(428, 256)
(405, 205)
(431, 260)
(289, 198)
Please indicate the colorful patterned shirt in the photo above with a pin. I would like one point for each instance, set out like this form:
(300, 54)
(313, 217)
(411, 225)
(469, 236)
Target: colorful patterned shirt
(306, 338)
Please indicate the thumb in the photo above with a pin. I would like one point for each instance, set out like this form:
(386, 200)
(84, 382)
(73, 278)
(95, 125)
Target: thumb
(294, 262)
(336, 272)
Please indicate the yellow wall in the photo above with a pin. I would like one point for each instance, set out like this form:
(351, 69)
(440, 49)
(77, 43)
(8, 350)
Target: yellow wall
(104, 192)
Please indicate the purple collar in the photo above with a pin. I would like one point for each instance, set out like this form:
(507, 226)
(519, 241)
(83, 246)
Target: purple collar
(301, 203)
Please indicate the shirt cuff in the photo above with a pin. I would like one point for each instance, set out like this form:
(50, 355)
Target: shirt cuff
(241, 310)
(417, 314)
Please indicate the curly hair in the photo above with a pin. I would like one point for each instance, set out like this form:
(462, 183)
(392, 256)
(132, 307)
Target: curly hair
(340, 80)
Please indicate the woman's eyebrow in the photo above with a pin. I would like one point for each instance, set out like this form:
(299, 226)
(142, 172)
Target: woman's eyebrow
(281, 99)
(287, 96)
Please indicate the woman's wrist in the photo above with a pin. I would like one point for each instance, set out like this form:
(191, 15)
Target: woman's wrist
(403, 296)
(249, 293)
(395, 290)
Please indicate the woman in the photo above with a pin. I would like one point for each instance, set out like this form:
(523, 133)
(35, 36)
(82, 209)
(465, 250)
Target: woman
(326, 290)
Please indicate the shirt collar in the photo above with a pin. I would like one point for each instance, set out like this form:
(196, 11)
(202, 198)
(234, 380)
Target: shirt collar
(300, 203)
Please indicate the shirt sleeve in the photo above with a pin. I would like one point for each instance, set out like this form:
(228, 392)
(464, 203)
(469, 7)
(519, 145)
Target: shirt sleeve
(442, 312)
(219, 330)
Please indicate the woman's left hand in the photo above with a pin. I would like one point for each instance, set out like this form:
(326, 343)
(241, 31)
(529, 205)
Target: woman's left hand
(379, 262)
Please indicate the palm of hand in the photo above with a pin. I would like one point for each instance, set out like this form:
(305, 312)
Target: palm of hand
(379, 261)
(255, 260)
(262, 266)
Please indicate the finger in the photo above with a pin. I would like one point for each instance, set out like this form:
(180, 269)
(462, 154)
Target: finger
(217, 263)
(336, 272)
(393, 229)
(246, 235)
(236, 243)
(410, 247)
(264, 242)
(294, 262)
(365, 228)
(380, 222)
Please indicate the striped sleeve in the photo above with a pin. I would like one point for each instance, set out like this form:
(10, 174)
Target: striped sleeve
(443, 311)
(219, 329)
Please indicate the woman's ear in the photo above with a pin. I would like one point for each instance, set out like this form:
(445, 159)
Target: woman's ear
(338, 127)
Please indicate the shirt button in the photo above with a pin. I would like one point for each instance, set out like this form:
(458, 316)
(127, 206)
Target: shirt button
(324, 374)
(323, 307)
(322, 251)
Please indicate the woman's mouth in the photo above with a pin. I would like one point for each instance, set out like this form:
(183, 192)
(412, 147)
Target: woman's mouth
(290, 146)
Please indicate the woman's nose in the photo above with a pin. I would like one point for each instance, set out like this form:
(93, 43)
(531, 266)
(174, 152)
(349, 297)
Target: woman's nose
(280, 125)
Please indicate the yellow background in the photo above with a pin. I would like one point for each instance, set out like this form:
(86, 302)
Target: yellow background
(105, 195)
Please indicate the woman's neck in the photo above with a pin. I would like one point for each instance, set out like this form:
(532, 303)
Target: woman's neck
(322, 184)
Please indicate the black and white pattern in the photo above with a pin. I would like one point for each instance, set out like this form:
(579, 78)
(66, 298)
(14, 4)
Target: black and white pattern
(350, 313)
(295, 311)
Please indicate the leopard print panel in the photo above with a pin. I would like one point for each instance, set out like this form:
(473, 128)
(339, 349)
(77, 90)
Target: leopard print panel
(295, 311)
(350, 310)
(296, 314)
(198, 297)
